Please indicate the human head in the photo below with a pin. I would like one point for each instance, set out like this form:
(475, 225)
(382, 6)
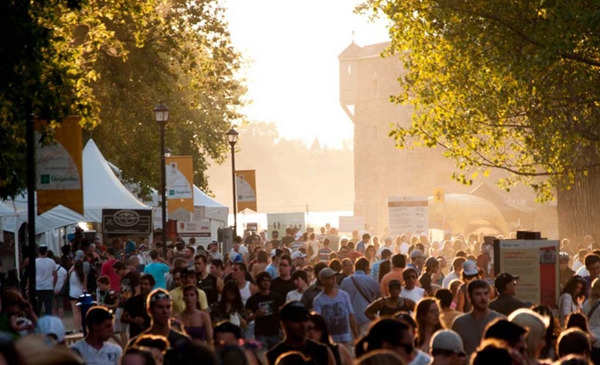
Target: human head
(159, 307)
(492, 352)
(200, 263)
(505, 283)
(361, 264)
(574, 341)
(427, 313)
(317, 329)
(347, 267)
(216, 267)
(293, 317)
(238, 271)
(99, 323)
(536, 325)
(399, 261)
(444, 296)
(394, 288)
(317, 270)
(285, 266)
(575, 286)
(509, 332)
(380, 357)
(387, 334)
(147, 282)
(157, 346)
(457, 264)
(327, 278)
(592, 264)
(226, 333)
(300, 279)
(137, 356)
(479, 294)
(446, 346)
(410, 278)
(263, 281)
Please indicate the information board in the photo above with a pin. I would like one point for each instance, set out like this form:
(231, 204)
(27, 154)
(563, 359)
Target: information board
(408, 214)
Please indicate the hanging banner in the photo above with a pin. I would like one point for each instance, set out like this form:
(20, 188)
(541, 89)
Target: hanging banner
(59, 173)
(245, 185)
(180, 188)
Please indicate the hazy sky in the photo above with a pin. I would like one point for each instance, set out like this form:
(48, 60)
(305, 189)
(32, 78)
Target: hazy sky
(292, 73)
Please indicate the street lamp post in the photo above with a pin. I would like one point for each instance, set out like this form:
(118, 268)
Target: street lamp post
(232, 137)
(161, 115)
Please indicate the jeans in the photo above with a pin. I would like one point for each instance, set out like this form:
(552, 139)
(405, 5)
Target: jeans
(268, 342)
(45, 297)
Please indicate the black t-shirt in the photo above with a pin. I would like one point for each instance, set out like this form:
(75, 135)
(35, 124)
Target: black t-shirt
(247, 276)
(209, 285)
(283, 287)
(267, 325)
(425, 281)
(136, 307)
(129, 283)
(315, 351)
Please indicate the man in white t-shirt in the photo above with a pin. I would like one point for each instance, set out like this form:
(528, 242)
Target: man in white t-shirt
(45, 277)
(410, 290)
(388, 243)
(457, 266)
(95, 348)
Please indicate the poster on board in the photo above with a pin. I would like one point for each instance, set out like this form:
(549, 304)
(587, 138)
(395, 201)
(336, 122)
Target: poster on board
(536, 264)
(408, 214)
(280, 221)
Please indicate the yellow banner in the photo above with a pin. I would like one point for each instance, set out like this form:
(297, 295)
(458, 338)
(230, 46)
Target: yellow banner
(180, 187)
(59, 168)
(245, 185)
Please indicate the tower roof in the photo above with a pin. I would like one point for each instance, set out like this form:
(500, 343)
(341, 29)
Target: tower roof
(354, 51)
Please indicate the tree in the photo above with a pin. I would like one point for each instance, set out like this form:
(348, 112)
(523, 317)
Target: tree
(506, 85)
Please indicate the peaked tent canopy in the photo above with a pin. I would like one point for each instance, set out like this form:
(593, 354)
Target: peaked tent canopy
(101, 188)
(6, 211)
(213, 209)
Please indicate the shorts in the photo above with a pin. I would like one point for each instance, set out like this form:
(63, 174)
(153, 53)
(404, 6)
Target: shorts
(119, 326)
(60, 301)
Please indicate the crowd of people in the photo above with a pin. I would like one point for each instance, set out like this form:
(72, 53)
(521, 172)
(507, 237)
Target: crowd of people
(305, 298)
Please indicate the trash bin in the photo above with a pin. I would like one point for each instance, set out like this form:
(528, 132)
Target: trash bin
(85, 302)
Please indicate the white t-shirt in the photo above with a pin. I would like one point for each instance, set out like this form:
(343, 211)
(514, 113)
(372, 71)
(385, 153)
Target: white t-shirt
(576, 265)
(448, 279)
(61, 273)
(293, 295)
(404, 248)
(415, 294)
(44, 279)
(583, 272)
(109, 354)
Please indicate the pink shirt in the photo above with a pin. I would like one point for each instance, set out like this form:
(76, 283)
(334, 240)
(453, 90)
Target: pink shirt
(115, 280)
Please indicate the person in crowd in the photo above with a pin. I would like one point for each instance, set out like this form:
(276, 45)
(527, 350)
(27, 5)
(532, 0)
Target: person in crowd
(157, 345)
(207, 282)
(506, 303)
(59, 295)
(95, 347)
(273, 267)
(391, 304)
(444, 297)
(446, 348)
(384, 257)
(536, 337)
(45, 276)
(158, 268)
(470, 272)
(495, 352)
(454, 288)
(574, 341)
(552, 332)
(318, 332)
(298, 260)
(380, 357)
(579, 259)
(225, 333)
(77, 285)
(263, 309)
(13, 307)
(217, 268)
(370, 254)
(134, 311)
(262, 261)
(129, 286)
(182, 278)
(361, 246)
(411, 290)
(196, 322)
(104, 295)
(239, 275)
(335, 306)
(590, 309)
(470, 325)
(571, 295)
(347, 268)
(565, 272)
(416, 261)
(362, 290)
(315, 289)
(457, 268)
(336, 266)
(388, 244)
(300, 280)
(107, 270)
(283, 284)
(230, 307)
(325, 251)
(293, 318)
(592, 264)
(432, 270)
(427, 315)
(398, 264)
(512, 334)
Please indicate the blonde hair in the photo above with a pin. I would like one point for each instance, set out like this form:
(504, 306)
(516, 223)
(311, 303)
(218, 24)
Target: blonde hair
(595, 292)
(536, 324)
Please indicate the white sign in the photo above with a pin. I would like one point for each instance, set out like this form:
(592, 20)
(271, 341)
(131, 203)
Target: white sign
(178, 186)
(408, 214)
(55, 168)
(199, 213)
(348, 224)
(201, 231)
(280, 221)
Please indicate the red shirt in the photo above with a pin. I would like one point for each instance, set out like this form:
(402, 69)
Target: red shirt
(115, 280)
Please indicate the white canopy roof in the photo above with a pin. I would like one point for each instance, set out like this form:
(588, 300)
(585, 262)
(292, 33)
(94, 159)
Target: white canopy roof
(101, 188)
(214, 209)
(6, 211)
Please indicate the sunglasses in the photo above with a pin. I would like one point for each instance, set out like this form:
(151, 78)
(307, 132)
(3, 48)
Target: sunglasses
(159, 296)
(394, 287)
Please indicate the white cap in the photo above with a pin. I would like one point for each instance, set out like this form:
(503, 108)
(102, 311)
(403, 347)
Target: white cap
(51, 325)
(297, 255)
(447, 340)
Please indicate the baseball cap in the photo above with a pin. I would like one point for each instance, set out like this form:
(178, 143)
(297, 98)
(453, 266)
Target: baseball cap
(235, 257)
(502, 280)
(470, 267)
(326, 273)
(297, 255)
(394, 282)
(294, 311)
(431, 262)
(447, 340)
(51, 325)
(142, 247)
(416, 253)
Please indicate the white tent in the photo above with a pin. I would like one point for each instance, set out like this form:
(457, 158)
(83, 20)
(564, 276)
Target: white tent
(213, 209)
(101, 188)
(6, 211)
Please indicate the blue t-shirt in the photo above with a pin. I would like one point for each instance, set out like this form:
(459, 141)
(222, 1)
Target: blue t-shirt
(158, 271)
(336, 311)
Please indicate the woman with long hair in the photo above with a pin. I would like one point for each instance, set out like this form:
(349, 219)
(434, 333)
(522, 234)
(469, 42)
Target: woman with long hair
(77, 285)
(370, 254)
(196, 323)
(230, 307)
(570, 297)
(318, 332)
(427, 316)
(170, 256)
(390, 305)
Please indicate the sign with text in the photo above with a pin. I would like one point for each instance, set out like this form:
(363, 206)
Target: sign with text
(127, 221)
(201, 231)
(280, 221)
(408, 214)
(245, 188)
(59, 168)
(180, 187)
(536, 264)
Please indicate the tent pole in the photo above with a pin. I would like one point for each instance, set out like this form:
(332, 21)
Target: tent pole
(31, 206)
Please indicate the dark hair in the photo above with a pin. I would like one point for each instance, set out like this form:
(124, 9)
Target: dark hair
(287, 258)
(262, 276)
(477, 284)
(227, 327)
(571, 286)
(445, 297)
(217, 262)
(241, 266)
(118, 265)
(578, 320)
(361, 264)
(408, 271)
(262, 257)
(153, 254)
(156, 342)
(321, 325)
(492, 352)
(591, 259)
(384, 330)
(103, 280)
(384, 268)
(399, 260)
(191, 248)
(300, 274)
(504, 330)
(97, 315)
(190, 287)
(574, 341)
(145, 354)
(202, 257)
(421, 311)
(43, 250)
(149, 278)
(190, 353)
(232, 355)
(335, 265)
(317, 269)
(236, 304)
(78, 268)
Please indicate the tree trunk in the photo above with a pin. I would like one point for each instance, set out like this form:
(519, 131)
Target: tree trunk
(579, 209)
